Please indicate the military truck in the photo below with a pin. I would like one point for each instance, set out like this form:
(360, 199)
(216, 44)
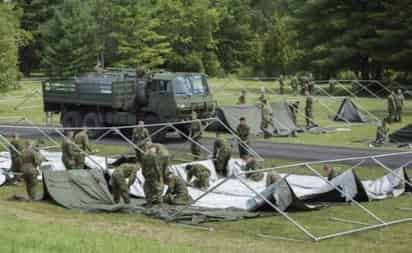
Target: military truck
(120, 97)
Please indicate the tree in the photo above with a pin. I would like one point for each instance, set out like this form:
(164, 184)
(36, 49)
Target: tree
(71, 36)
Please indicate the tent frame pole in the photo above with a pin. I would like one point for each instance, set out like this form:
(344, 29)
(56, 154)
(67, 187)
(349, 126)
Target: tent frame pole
(390, 171)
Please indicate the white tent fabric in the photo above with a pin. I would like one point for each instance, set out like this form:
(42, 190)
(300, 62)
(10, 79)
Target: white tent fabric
(387, 186)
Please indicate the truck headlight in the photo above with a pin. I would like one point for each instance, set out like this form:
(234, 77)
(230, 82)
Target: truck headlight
(181, 106)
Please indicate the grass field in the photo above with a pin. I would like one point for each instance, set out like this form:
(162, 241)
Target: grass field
(24, 103)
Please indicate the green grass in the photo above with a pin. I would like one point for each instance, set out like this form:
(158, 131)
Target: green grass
(45, 227)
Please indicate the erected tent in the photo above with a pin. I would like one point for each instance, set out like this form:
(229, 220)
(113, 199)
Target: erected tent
(349, 112)
(403, 135)
(282, 119)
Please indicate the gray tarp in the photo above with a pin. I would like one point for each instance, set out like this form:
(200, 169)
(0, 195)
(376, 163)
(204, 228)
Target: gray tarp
(403, 135)
(349, 112)
(282, 119)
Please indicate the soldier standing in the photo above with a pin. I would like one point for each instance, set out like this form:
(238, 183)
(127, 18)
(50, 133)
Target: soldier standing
(309, 110)
(30, 159)
(69, 151)
(163, 156)
(16, 149)
(242, 97)
(243, 131)
(140, 137)
(281, 85)
(295, 85)
(120, 187)
(251, 165)
(391, 107)
(266, 119)
(262, 96)
(177, 193)
(294, 108)
(82, 141)
(196, 134)
(153, 184)
(221, 156)
(399, 101)
(201, 173)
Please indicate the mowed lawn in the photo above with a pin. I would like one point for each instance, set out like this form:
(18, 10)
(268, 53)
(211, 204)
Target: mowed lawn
(45, 227)
(23, 103)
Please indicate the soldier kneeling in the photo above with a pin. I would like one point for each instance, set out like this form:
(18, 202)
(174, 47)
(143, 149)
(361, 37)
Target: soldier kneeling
(177, 193)
(120, 188)
(201, 173)
(251, 165)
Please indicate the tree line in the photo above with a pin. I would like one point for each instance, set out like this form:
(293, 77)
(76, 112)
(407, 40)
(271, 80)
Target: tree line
(364, 39)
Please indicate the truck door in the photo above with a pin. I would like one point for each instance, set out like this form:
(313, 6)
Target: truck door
(161, 100)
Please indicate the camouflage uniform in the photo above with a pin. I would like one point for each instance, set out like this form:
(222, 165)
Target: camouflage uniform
(294, 85)
(266, 120)
(196, 135)
(202, 175)
(243, 131)
(382, 134)
(82, 141)
(177, 193)
(294, 109)
(309, 111)
(31, 161)
(272, 178)
(399, 101)
(221, 155)
(16, 162)
(153, 185)
(140, 138)
(69, 154)
(119, 186)
(391, 108)
(163, 157)
(251, 165)
(262, 98)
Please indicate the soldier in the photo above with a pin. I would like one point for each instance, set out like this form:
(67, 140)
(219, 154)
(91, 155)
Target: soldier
(69, 151)
(294, 108)
(310, 83)
(266, 119)
(382, 133)
(272, 178)
(83, 146)
(262, 96)
(16, 149)
(399, 101)
(140, 137)
(330, 172)
(153, 185)
(201, 173)
(309, 110)
(222, 152)
(295, 85)
(281, 85)
(250, 165)
(177, 193)
(242, 97)
(162, 155)
(120, 187)
(391, 107)
(243, 131)
(31, 160)
(332, 86)
(196, 134)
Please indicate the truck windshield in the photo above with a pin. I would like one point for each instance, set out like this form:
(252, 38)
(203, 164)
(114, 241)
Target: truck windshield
(190, 85)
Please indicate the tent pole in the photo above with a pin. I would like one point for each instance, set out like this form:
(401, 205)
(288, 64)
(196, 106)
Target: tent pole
(41, 131)
(191, 139)
(390, 171)
(279, 238)
(368, 90)
(345, 194)
(348, 221)
(107, 132)
(127, 140)
(284, 214)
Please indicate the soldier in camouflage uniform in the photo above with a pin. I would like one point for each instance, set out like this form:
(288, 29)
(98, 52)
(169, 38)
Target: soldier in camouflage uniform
(222, 152)
(294, 109)
(295, 85)
(83, 146)
(243, 131)
(266, 119)
(309, 110)
(399, 101)
(201, 173)
(31, 160)
(391, 107)
(330, 172)
(162, 156)
(262, 96)
(69, 151)
(242, 97)
(382, 133)
(151, 170)
(196, 134)
(120, 187)
(272, 178)
(16, 149)
(140, 137)
(177, 193)
(250, 165)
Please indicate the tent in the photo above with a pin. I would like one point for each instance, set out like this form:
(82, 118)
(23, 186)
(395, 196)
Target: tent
(349, 112)
(403, 135)
(282, 119)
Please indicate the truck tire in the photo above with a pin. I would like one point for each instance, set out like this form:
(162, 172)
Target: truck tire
(71, 119)
(154, 119)
(92, 119)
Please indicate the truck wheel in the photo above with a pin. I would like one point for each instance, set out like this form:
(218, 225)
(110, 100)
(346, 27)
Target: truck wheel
(153, 119)
(92, 120)
(71, 119)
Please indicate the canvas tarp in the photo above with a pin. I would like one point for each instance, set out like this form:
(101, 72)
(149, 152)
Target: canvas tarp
(403, 135)
(349, 112)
